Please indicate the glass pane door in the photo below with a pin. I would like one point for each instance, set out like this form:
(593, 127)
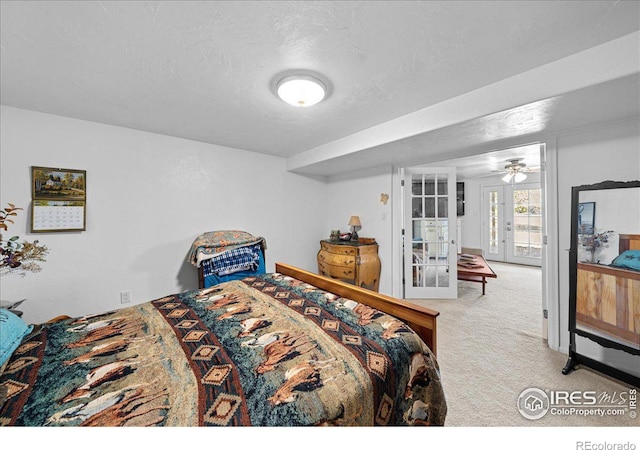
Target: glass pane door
(495, 216)
(512, 223)
(527, 224)
(430, 224)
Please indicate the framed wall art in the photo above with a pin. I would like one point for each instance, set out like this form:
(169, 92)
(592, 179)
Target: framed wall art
(586, 217)
(58, 184)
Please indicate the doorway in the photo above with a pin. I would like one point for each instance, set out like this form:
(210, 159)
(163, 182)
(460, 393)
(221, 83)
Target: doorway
(512, 223)
(429, 230)
(489, 169)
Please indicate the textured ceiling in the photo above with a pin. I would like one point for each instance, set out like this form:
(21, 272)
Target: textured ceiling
(205, 70)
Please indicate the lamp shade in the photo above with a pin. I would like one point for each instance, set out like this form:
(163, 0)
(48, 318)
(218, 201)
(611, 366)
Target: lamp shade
(516, 177)
(519, 177)
(355, 221)
(301, 90)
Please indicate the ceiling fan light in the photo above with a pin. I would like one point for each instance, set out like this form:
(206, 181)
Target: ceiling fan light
(519, 177)
(507, 177)
(301, 90)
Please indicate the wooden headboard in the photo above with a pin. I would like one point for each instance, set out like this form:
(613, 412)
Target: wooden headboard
(629, 242)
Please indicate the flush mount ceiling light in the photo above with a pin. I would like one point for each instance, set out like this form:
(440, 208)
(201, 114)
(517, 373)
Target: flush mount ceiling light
(301, 90)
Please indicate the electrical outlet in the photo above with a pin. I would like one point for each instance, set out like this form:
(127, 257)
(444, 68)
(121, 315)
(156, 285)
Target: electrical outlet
(125, 297)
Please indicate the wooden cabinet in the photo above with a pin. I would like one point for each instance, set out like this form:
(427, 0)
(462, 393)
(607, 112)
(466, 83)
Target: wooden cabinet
(354, 262)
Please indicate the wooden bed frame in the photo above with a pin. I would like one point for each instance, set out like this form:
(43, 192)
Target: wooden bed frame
(421, 320)
(629, 242)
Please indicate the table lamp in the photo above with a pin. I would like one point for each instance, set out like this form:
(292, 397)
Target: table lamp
(354, 222)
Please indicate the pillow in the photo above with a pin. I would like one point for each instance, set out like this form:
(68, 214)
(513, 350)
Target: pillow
(629, 259)
(12, 331)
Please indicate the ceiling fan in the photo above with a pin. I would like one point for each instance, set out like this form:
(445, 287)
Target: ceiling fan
(515, 170)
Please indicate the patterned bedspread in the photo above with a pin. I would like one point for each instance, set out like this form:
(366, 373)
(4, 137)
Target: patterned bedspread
(264, 351)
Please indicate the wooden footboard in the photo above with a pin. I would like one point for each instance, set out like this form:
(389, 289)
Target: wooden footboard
(421, 320)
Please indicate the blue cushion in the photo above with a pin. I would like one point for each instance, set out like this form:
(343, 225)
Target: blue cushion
(629, 259)
(12, 331)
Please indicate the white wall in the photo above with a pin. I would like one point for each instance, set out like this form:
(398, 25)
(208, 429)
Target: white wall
(148, 197)
(358, 194)
(588, 157)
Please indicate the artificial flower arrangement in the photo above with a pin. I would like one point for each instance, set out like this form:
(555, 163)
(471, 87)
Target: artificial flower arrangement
(593, 242)
(18, 256)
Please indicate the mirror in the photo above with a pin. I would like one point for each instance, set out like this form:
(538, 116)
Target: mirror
(604, 291)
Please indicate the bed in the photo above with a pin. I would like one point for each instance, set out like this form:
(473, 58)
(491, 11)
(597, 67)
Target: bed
(288, 348)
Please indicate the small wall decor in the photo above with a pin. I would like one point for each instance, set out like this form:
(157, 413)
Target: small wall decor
(58, 199)
(586, 217)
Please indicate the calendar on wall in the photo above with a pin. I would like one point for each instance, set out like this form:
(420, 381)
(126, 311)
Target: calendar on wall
(53, 215)
(58, 199)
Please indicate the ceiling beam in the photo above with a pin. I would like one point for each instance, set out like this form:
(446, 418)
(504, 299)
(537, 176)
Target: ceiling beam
(609, 61)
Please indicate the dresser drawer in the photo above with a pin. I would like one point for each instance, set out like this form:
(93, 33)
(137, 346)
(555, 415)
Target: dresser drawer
(369, 250)
(338, 249)
(329, 270)
(335, 259)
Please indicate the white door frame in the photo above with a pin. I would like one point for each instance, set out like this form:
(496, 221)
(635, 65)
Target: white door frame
(550, 243)
(433, 256)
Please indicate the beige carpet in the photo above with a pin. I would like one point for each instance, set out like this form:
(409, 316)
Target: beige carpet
(490, 349)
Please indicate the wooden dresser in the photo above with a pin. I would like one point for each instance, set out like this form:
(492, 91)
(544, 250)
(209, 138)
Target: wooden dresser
(350, 261)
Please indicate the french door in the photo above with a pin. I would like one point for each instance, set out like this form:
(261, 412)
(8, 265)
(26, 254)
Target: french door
(512, 223)
(430, 250)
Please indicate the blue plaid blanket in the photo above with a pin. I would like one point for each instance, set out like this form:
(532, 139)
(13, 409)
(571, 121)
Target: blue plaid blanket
(210, 243)
(231, 261)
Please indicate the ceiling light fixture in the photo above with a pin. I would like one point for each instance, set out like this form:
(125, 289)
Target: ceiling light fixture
(514, 171)
(516, 176)
(301, 90)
